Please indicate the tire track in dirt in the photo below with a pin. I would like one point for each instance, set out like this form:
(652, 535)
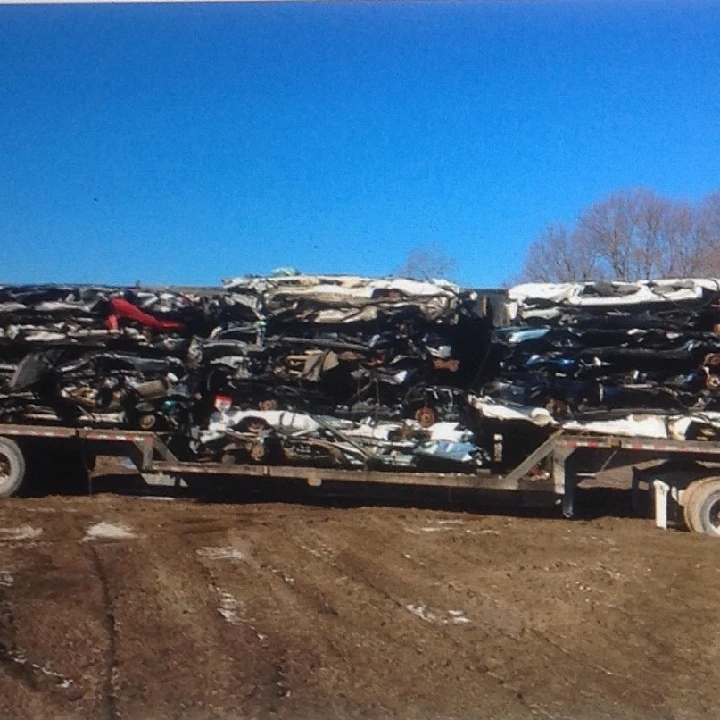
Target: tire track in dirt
(365, 564)
(364, 622)
(170, 635)
(267, 605)
(287, 612)
(48, 645)
(268, 684)
(108, 623)
(171, 576)
(376, 565)
(604, 662)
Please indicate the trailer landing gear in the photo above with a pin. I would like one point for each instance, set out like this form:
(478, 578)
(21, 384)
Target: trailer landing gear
(687, 497)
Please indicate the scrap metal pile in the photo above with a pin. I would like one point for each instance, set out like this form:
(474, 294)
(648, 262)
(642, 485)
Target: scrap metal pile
(323, 370)
(355, 372)
(639, 359)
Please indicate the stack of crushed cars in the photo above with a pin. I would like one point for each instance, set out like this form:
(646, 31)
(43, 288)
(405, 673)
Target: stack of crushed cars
(96, 356)
(291, 369)
(636, 359)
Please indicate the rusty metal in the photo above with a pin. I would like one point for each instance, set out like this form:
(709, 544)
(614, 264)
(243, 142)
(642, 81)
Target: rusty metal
(449, 364)
(425, 416)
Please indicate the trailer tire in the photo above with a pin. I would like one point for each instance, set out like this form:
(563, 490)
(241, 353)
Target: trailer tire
(12, 467)
(702, 507)
(687, 502)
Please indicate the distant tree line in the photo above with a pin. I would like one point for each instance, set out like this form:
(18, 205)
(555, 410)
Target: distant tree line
(428, 262)
(631, 235)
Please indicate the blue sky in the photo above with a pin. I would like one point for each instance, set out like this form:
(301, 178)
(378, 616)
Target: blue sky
(179, 144)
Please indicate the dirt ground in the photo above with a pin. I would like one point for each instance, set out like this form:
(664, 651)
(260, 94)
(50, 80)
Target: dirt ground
(131, 608)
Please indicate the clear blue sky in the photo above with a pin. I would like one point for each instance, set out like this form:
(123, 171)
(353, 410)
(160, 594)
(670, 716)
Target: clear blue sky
(181, 144)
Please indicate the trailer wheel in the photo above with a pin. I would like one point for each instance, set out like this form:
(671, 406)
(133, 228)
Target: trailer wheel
(687, 501)
(702, 507)
(12, 467)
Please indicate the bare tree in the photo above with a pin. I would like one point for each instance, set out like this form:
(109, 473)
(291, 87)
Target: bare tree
(650, 246)
(684, 255)
(554, 257)
(426, 262)
(708, 233)
(607, 228)
(632, 234)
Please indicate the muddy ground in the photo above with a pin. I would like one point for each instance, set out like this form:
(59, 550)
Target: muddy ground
(127, 608)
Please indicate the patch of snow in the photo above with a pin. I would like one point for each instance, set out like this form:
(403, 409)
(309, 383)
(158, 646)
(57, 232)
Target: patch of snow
(49, 510)
(22, 532)
(422, 612)
(313, 551)
(321, 552)
(428, 529)
(438, 526)
(60, 681)
(439, 617)
(468, 531)
(108, 531)
(18, 657)
(289, 579)
(6, 579)
(220, 553)
(229, 607)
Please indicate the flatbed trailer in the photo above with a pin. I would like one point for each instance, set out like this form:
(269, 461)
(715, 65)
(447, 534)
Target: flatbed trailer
(684, 476)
